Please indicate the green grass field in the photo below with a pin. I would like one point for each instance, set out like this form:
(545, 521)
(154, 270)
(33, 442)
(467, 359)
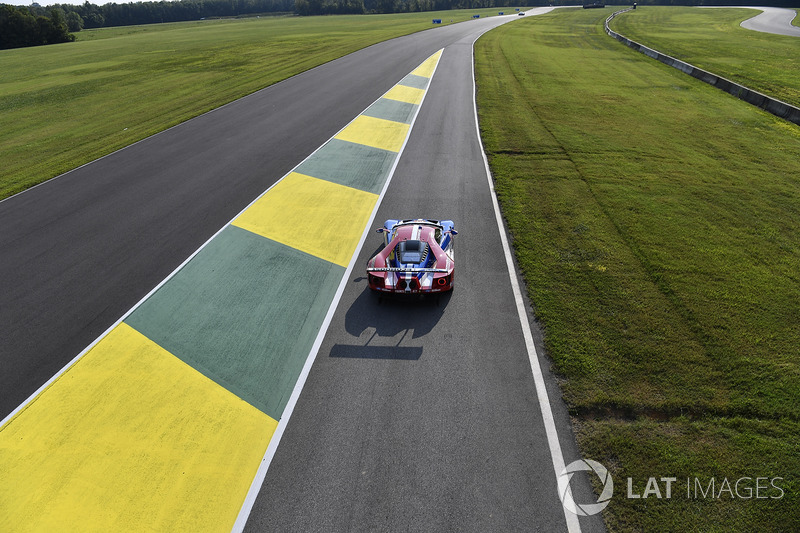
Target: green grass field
(656, 221)
(64, 105)
(713, 40)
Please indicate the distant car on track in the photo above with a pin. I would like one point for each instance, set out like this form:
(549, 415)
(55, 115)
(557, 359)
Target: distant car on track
(417, 257)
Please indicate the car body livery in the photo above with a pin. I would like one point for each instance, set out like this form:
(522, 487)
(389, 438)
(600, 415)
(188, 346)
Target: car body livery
(417, 258)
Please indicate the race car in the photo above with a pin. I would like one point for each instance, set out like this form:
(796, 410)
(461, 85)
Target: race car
(417, 258)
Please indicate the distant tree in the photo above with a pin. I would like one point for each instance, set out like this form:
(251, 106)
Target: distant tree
(312, 7)
(74, 21)
(95, 20)
(19, 27)
(59, 19)
(13, 26)
(54, 29)
(128, 13)
(144, 12)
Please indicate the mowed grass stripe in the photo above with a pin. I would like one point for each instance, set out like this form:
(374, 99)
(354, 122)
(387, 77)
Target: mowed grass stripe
(125, 441)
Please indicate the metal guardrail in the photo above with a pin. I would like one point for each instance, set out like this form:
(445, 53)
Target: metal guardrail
(767, 103)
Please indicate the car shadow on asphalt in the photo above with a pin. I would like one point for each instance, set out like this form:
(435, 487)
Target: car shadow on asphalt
(386, 327)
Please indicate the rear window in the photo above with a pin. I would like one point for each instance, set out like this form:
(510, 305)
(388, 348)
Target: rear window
(412, 251)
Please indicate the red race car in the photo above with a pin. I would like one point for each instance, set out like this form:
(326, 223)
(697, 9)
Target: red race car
(417, 258)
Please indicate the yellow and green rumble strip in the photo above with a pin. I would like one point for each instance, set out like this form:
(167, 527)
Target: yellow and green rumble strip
(163, 423)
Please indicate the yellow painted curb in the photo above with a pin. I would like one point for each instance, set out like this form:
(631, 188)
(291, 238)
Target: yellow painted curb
(315, 216)
(403, 93)
(427, 68)
(130, 439)
(375, 132)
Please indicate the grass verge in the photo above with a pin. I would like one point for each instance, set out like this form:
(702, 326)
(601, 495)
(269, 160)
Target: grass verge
(64, 105)
(713, 40)
(656, 222)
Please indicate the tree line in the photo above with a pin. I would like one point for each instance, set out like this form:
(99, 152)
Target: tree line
(338, 7)
(20, 27)
(359, 7)
(36, 25)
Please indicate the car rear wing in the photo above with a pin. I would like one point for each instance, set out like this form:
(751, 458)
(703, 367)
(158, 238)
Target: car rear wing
(396, 269)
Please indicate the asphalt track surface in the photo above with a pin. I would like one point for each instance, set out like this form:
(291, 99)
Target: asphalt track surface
(414, 416)
(773, 20)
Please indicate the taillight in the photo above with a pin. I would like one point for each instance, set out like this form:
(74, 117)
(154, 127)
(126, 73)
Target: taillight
(375, 281)
(442, 281)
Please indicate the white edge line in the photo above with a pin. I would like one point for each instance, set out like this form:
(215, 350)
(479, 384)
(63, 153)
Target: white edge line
(86, 350)
(261, 474)
(573, 525)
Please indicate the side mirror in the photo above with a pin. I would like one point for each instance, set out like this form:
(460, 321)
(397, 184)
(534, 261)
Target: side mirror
(380, 230)
(453, 232)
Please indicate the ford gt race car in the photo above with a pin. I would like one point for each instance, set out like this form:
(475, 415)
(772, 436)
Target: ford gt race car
(417, 258)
